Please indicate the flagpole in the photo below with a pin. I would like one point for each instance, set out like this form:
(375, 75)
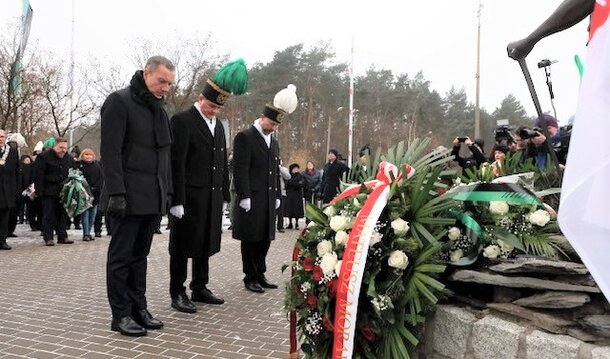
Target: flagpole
(351, 108)
(477, 109)
(72, 79)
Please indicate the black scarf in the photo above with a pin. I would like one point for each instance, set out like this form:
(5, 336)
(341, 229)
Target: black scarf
(160, 120)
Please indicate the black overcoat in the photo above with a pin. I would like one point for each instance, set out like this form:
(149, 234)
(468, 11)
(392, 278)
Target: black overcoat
(51, 172)
(134, 166)
(201, 184)
(255, 176)
(9, 173)
(293, 208)
(92, 172)
(333, 172)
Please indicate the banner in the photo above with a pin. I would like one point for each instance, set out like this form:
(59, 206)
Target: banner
(585, 195)
(26, 24)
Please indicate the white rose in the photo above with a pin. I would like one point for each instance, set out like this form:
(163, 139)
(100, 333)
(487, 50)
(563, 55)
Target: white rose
(398, 259)
(492, 251)
(540, 218)
(330, 211)
(339, 223)
(341, 238)
(375, 238)
(458, 181)
(456, 255)
(311, 224)
(454, 233)
(324, 247)
(329, 260)
(338, 267)
(400, 227)
(505, 246)
(498, 207)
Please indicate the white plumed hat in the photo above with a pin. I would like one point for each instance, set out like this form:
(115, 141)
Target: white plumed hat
(17, 138)
(284, 102)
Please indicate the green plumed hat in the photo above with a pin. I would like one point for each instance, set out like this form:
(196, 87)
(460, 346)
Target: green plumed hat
(49, 142)
(230, 79)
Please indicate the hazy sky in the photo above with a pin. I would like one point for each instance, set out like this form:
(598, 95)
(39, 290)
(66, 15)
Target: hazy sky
(437, 37)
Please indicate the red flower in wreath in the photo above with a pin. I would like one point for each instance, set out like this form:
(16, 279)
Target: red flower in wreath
(308, 264)
(312, 301)
(332, 288)
(368, 333)
(317, 273)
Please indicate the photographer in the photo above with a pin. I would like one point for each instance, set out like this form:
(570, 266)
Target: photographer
(476, 148)
(533, 142)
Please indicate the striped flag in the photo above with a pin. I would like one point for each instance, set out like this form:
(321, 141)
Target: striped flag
(584, 214)
(26, 24)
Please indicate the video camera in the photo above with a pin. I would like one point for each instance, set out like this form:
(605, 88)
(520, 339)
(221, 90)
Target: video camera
(526, 133)
(502, 134)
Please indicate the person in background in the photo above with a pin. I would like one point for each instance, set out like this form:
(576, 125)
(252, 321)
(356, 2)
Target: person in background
(284, 176)
(9, 175)
(135, 147)
(51, 169)
(25, 200)
(333, 172)
(92, 172)
(313, 184)
(294, 196)
(499, 153)
(476, 149)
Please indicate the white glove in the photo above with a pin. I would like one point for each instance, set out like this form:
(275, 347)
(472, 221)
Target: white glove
(245, 204)
(277, 203)
(177, 211)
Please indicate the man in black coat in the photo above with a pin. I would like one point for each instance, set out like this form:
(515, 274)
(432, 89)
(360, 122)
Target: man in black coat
(255, 176)
(333, 172)
(9, 173)
(135, 146)
(201, 186)
(51, 168)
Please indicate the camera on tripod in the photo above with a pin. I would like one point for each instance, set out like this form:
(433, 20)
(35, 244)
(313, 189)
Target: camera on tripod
(502, 134)
(545, 63)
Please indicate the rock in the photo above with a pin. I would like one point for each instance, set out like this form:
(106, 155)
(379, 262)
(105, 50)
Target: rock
(600, 353)
(598, 324)
(541, 345)
(554, 300)
(505, 295)
(466, 275)
(576, 280)
(582, 335)
(596, 306)
(473, 302)
(452, 330)
(551, 323)
(535, 265)
(496, 338)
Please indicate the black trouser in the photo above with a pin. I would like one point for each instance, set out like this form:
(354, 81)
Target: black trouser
(54, 217)
(35, 214)
(97, 225)
(280, 213)
(127, 264)
(12, 220)
(4, 214)
(20, 208)
(177, 273)
(253, 256)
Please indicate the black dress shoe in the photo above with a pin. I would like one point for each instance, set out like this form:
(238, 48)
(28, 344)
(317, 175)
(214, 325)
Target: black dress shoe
(281, 230)
(206, 296)
(183, 304)
(12, 235)
(4, 246)
(127, 326)
(98, 234)
(145, 319)
(263, 282)
(158, 231)
(254, 287)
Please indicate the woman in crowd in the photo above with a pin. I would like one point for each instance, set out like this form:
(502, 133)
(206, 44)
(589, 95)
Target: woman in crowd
(499, 154)
(92, 172)
(294, 196)
(313, 181)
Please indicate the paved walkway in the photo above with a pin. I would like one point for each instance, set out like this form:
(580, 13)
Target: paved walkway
(53, 304)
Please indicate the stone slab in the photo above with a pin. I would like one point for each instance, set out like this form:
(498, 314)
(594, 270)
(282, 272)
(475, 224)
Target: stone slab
(541, 345)
(496, 338)
(452, 329)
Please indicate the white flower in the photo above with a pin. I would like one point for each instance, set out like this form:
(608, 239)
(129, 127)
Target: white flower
(492, 251)
(306, 286)
(329, 260)
(505, 246)
(341, 238)
(398, 259)
(324, 247)
(400, 227)
(498, 207)
(540, 218)
(458, 181)
(375, 238)
(338, 267)
(454, 233)
(339, 223)
(356, 203)
(456, 255)
(330, 211)
(311, 224)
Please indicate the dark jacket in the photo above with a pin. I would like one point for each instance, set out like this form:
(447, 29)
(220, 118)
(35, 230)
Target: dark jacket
(92, 171)
(9, 176)
(134, 166)
(313, 182)
(27, 175)
(293, 208)
(201, 184)
(474, 161)
(333, 172)
(51, 172)
(255, 176)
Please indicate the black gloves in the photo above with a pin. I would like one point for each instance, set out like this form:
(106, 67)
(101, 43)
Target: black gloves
(117, 206)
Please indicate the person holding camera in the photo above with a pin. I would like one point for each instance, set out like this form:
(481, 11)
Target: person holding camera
(476, 148)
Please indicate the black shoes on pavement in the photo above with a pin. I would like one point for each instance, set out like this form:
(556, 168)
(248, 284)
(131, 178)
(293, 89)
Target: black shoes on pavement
(4, 246)
(253, 286)
(183, 304)
(206, 296)
(127, 326)
(263, 282)
(146, 320)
